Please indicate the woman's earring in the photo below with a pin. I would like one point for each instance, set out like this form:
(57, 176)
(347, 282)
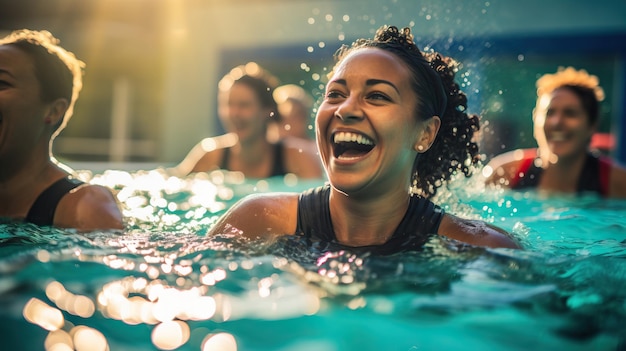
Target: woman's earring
(420, 148)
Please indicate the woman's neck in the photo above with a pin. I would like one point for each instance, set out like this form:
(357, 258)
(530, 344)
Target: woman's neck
(18, 191)
(254, 158)
(363, 222)
(563, 175)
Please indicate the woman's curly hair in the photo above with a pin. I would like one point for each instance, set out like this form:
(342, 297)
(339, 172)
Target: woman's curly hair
(438, 94)
(584, 85)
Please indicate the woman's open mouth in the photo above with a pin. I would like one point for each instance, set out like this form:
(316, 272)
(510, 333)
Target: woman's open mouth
(351, 145)
(557, 136)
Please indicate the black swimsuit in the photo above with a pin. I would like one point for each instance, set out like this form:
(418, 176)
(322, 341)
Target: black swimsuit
(42, 211)
(278, 169)
(421, 220)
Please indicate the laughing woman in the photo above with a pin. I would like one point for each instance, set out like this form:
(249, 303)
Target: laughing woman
(565, 119)
(390, 130)
(39, 84)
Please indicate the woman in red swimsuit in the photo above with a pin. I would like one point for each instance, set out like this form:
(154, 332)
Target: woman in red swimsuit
(565, 119)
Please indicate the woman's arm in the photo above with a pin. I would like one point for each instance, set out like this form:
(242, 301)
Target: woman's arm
(502, 168)
(476, 233)
(204, 155)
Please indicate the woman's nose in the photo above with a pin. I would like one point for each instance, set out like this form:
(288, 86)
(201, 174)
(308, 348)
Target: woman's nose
(554, 119)
(349, 110)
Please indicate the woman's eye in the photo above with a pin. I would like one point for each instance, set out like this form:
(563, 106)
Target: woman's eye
(378, 96)
(333, 94)
(571, 113)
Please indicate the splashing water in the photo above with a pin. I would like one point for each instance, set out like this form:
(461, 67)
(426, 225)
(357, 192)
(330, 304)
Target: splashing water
(163, 283)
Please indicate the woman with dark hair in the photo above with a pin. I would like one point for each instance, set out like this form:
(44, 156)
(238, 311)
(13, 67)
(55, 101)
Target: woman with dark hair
(245, 107)
(39, 84)
(565, 119)
(391, 129)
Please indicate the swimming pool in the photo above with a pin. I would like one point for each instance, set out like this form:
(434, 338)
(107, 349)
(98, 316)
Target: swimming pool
(163, 284)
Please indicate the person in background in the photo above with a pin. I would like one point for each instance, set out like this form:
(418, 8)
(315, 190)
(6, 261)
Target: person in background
(391, 129)
(565, 120)
(294, 118)
(39, 84)
(245, 107)
(294, 111)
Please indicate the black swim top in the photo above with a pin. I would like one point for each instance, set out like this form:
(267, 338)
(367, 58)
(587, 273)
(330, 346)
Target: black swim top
(278, 169)
(42, 211)
(421, 220)
(593, 178)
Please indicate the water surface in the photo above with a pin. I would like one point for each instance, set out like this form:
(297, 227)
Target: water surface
(164, 284)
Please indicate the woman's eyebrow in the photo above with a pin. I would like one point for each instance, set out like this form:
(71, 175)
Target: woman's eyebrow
(370, 82)
(382, 81)
(339, 81)
(4, 71)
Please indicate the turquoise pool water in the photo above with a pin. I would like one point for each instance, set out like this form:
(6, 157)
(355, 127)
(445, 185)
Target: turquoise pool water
(163, 284)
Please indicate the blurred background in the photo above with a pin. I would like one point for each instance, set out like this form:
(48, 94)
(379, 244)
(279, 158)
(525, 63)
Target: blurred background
(150, 83)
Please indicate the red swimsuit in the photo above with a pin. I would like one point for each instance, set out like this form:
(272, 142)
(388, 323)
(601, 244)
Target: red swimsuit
(594, 177)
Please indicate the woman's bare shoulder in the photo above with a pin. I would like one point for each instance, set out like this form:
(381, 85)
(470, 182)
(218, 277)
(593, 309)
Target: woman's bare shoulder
(501, 168)
(89, 207)
(260, 216)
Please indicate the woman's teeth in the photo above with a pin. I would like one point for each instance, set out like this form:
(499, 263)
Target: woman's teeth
(557, 137)
(351, 145)
(352, 138)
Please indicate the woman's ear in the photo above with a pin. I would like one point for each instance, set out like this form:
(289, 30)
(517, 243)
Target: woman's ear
(428, 133)
(55, 113)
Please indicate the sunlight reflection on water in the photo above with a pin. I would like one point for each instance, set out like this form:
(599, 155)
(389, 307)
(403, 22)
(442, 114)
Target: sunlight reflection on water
(195, 292)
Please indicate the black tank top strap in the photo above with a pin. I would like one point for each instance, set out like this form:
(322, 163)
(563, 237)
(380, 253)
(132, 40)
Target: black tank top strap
(225, 158)
(606, 166)
(314, 214)
(420, 222)
(589, 179)
(278, 168)
(43, 209)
